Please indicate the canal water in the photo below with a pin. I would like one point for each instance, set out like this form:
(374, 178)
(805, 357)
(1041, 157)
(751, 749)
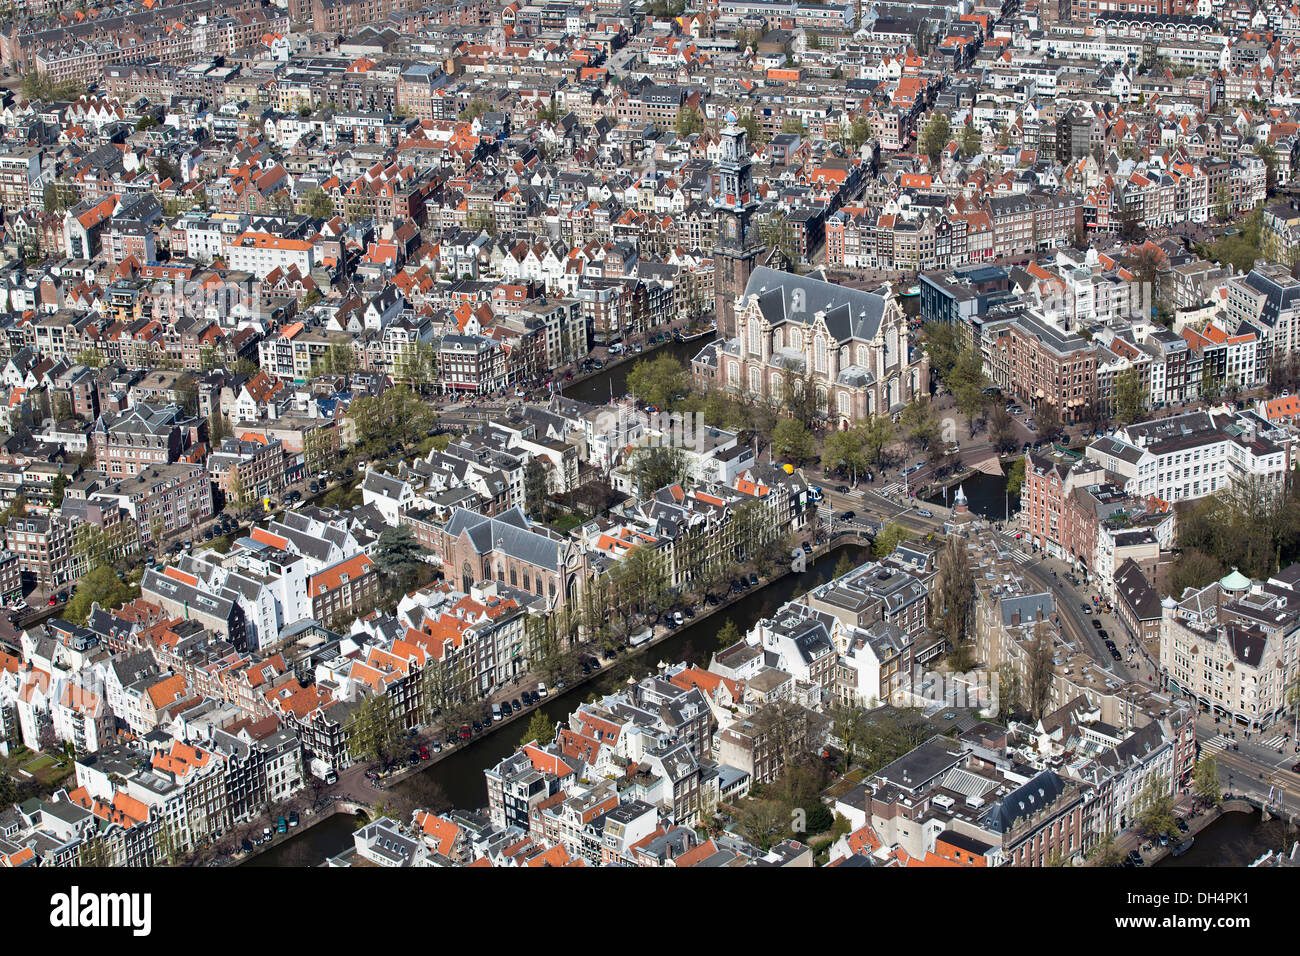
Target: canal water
(1235, 839)
(596, 389)
(457, 779)
(986, 496)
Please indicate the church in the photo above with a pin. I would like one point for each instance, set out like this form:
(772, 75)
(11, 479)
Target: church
(851, 344)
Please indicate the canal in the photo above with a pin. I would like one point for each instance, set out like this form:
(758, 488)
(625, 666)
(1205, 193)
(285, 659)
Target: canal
(457, 779)
(985, 494)
(596, 390)
(1235, 839)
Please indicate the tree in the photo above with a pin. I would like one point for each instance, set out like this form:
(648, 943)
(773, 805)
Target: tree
(1205, 781)
(859, 132)
(91, 358)
(474, 110)
(792, 440)
(1106, 851)
(794, 125)
(845, 565)
(920, 423)
(145, 122)
(1130, 396)
(775, 232)
(970, 142)
(936, 135)
(58, 488)
(58, 197)
(658, 466)
(481, 221)
(659, 382)
(689, 120)
(753, 130)
(848, 724)
(536, 488)
(1002, 430)
(1040, 670)
(101, 586)
(844, 449)
(373, 733)
(1016, 476)
(539, 729)
(728, 635)
(399, 557)
(1048, 418)
(218, 427)
(952, 601)
(317, 203)
(640, 581)
(887, 539)
(1155, 809)
(237, 492)
(1010, 691)
(1265, 151)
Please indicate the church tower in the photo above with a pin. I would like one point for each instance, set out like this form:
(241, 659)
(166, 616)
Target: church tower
(736, 245)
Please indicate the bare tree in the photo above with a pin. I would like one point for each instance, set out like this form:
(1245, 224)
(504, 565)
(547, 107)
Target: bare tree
(1040, 669)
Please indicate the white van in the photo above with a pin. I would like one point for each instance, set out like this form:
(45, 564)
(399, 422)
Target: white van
(496, 711)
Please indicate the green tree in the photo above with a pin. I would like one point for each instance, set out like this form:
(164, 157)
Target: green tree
(920, 423)
(689, 120)
(1130, 396)
(1205, 781)
(539, 729)
(887, 539)
(859, 132)
(658, 466)
(144, 123)
(728, 635)
(970, 142)
(660, 381)
(792, 440)
(1016, 476)
(1106, 851)
(1155, 809)
(317, 203)
(400, 558)
(373, 733)
(474, 110)
(58, 488)
(753, 130)
(103, 587)
(936, 135)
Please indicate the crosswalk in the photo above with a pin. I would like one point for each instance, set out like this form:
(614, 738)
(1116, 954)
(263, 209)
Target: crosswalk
(1277, 740)
(1020, 557)
(893, 488)
(1218, 742)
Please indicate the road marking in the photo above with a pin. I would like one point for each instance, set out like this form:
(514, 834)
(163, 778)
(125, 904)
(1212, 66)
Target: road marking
(1277, 740)
(1217, 742)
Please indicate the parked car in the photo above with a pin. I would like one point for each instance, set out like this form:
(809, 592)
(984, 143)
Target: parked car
(753, 579)
(807, 548)
(1135, 857)
(424, 752)
(925, 513)
(541, 688)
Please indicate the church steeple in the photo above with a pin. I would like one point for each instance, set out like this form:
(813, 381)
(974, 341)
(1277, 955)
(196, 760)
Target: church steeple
(736, 247)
